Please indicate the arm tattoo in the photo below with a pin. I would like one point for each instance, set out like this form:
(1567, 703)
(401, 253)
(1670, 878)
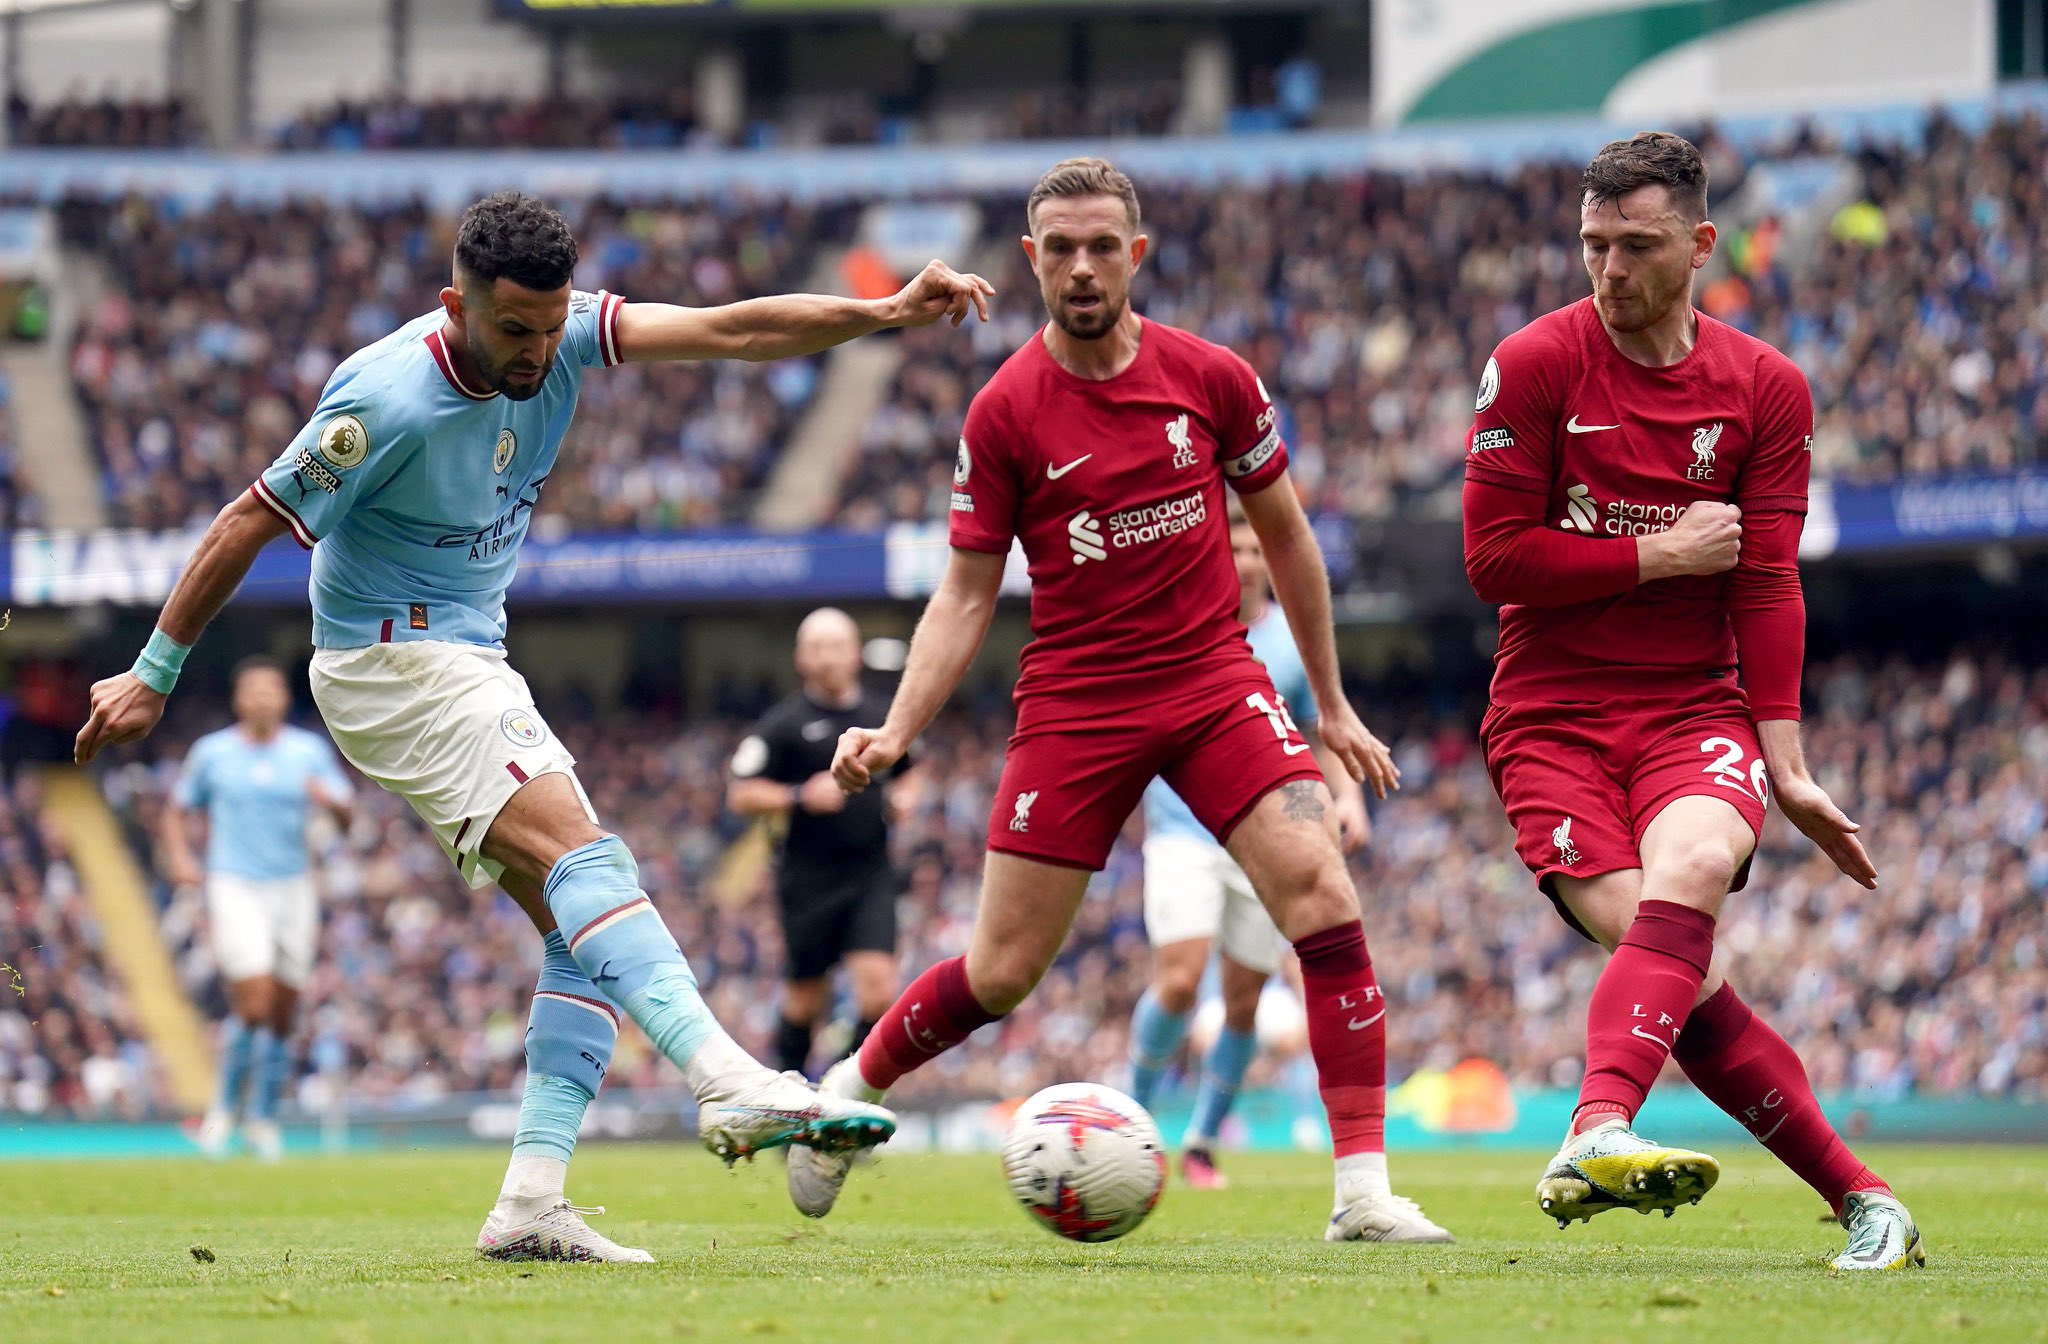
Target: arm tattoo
(1301, 801)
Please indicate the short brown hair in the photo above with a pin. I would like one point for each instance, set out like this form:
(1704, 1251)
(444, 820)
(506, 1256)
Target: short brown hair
(1082, 177)
(1652, 159)
(256, 662)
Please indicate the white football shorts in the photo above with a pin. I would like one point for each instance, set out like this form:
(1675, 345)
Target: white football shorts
(263, 926)
(450, 728)
(1194, 889)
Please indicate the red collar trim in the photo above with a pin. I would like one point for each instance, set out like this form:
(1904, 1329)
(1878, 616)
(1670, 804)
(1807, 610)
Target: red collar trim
(437, 346)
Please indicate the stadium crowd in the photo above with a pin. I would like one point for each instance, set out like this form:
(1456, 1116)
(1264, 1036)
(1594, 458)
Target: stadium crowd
(69, 1040)
(1368, 303)
(1937, 983)
(209, 349)
(668, 121)
(106, 122)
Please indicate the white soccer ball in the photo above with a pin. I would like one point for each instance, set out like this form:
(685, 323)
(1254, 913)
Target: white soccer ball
(1085, 1161)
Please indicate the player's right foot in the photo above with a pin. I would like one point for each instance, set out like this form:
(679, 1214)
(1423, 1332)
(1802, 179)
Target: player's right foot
(1384, 1217)
(551, 1231)
(265, 1140)
(1881, 1234)
(759, 1111)
(214, 1135)
(1198, 1169)
(1609, 1167)
(816, 1176)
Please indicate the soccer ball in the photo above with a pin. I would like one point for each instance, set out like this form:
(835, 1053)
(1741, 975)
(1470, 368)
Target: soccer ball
(1085, 1161)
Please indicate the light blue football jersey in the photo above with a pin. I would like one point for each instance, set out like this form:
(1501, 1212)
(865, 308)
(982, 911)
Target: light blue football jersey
(256, 800)
(1273, 644)
(414, 491)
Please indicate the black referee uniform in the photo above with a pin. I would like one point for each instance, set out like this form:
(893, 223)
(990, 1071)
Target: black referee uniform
(834, 882)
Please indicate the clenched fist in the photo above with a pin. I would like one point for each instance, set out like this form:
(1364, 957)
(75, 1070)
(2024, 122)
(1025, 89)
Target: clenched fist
(1706, 539)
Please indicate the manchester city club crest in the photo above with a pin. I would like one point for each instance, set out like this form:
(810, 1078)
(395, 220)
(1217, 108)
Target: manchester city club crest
(522, 728)
(508, 444)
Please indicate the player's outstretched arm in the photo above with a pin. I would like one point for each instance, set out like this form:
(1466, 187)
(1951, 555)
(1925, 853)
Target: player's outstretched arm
(1807, 805)
(1301, 581)
(787, 325)
(948, 635)
(127, 706)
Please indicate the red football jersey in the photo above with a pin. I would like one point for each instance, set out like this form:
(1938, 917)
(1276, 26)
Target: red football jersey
(1115, 488)
(1619, 450)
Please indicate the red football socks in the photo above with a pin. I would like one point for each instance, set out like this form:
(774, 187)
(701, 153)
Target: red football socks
(1747, 1069)
(1639, 1006)
(935, 1014)
(1347, 1035)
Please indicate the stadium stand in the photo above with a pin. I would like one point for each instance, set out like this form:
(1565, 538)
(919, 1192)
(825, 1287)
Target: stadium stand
(666, 122)
(210, 348)
(69, 1042)
(1936, 984)
(1366, 302)
(106, 122)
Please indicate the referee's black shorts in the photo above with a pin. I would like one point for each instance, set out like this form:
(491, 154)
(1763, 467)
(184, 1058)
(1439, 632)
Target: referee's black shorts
(829, 912)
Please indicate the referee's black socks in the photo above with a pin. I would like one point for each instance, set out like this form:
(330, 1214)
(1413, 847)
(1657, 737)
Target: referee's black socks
(792, 1045)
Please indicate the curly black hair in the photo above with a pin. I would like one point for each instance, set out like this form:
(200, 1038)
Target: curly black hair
(516, 237)
(1652, 159)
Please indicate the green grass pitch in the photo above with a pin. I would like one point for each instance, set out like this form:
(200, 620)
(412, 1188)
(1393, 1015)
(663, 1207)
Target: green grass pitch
(928, 1249)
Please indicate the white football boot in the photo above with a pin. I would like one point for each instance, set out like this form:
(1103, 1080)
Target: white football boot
(265, 1140)
(759, 1109)
(816, 1175)
(215, 1135)
(1386, 1217)
(1609, 1167)
(551, 1230)
(1881, 1234)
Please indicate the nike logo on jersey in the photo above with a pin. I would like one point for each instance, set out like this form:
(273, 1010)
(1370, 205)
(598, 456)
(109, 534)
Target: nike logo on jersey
(1294, 748)
(1355, 1025)
(1053, 473)
(1573, 426)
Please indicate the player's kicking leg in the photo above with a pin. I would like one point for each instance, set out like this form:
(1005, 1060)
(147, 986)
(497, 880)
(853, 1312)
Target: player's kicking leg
(1026, 909)
(1287, 846)
(589, 888)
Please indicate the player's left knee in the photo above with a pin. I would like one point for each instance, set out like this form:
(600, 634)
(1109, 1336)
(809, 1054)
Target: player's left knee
(1326, 900)
(1697, 874)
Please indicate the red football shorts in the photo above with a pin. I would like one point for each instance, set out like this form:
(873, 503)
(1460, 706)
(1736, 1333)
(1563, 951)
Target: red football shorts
(1583, 782)
(1067, 787)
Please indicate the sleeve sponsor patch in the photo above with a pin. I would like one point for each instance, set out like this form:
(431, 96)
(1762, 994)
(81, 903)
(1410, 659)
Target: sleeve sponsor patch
(344, 442)
(963, 502)
(313, 471)
(1258, 456)
(1500, 437)
(750, 758)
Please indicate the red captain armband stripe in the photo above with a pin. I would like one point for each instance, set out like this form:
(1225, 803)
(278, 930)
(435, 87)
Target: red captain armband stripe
(608, 305)
(268, 498)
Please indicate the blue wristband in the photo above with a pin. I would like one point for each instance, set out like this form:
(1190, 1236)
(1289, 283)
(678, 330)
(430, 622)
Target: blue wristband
(158, 664)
